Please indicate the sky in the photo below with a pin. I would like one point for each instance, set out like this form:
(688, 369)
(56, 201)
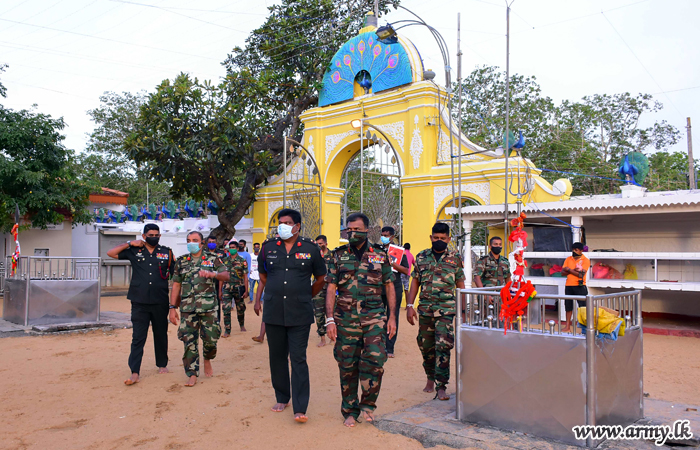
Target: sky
(63, 54)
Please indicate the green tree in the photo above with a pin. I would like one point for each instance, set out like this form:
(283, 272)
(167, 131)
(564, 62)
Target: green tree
(106, 161)
(668, 171)
(589, 137)
(35, 172)
(222, 141)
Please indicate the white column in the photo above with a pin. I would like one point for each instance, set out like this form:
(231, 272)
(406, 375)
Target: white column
(467, 257)
(576, 221)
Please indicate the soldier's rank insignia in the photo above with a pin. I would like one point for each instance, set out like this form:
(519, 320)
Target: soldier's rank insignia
(303, 255)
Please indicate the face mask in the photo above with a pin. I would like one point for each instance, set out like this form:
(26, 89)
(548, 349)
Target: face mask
(285, 231)
(575, 255)
(233, 251)
(385, 240)
(193, 247)
(211, 246)
(357, 237)
(496, 250)
(152, 240)
(439, 246)
(256, 251)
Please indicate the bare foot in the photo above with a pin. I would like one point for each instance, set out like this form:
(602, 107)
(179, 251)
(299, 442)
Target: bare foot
(257, 339)
(350, 422)
(279, 407)
(389, 355)
(300, 417)
(442, 395)
(208, 371)
(367, 416)
(429, 386)
(163, 370)
(132, 380)
(191, 381)
(243, 328)
(566, 329)
(322, 343)
(226, 334)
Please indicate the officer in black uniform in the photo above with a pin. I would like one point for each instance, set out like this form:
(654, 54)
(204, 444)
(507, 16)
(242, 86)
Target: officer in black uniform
(151, 267)
(285, 265)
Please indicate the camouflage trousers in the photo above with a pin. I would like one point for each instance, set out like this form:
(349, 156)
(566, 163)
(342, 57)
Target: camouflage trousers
(228, 299)
(320, 314)
(192, 325)
(360, 352)
(435, 340)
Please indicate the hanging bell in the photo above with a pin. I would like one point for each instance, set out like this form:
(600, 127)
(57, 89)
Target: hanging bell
(308, 162)
(386, 149)
(374, 138)
(368, 135)
(393, 159)
(303, 157)
(315, 171)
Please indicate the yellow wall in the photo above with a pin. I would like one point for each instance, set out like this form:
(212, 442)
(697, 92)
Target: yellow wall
(409, 117)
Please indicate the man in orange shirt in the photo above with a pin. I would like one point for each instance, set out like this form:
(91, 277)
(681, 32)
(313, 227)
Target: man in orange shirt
(575, 268)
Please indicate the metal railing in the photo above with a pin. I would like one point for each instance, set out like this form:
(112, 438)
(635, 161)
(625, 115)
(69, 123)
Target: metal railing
(480, 309)
(56, 268)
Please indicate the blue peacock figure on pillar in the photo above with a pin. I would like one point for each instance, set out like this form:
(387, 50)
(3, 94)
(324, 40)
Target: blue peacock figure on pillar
(634, 168)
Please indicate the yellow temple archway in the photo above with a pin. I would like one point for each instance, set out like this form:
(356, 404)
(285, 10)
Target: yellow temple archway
(393, 95)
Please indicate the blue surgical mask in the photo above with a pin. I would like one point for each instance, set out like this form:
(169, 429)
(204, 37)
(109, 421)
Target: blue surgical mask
(193, 247)
(385, 240)
(212, 245)
(285, 231)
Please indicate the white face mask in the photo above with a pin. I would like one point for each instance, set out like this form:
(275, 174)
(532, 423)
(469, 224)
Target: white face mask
(285, 231)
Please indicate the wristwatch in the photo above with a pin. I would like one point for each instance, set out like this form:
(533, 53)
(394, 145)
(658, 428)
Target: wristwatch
(128, 243)
(172, 307)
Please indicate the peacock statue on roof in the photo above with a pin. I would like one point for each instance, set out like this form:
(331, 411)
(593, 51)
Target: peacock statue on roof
(634, 168)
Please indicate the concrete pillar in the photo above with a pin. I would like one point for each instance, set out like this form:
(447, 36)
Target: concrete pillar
(467, 256)
(576, 221)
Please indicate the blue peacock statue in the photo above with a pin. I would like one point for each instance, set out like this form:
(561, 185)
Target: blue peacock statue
(213, 209)
(634, 168)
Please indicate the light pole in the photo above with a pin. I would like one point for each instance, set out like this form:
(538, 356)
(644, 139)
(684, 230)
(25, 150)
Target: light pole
(388, 33)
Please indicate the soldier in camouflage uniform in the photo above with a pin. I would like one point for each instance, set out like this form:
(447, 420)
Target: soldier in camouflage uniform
(492, 269)
(235, 291)
(194, 292)
(320, 298)
(357, 318)
(436, 272)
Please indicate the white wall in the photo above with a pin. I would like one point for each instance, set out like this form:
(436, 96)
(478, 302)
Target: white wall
(58, 241)
(645, 233)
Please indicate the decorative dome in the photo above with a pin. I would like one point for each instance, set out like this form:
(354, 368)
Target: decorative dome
(388, 66)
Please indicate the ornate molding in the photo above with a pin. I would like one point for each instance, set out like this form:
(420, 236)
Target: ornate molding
(396, 131)
(444, 150)
(332, 141)
(272, 207)
(416, 144)
(440, 193)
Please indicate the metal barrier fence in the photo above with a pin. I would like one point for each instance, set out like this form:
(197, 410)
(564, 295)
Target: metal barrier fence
(48, 290)
(503, 378)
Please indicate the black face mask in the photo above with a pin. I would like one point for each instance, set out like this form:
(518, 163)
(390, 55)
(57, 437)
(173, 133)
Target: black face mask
(496, 250)
(439, 246)
(152, 240)
(575, 255)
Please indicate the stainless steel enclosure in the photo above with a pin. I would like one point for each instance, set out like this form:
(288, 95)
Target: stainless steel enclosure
(53, 290)
(541, 380)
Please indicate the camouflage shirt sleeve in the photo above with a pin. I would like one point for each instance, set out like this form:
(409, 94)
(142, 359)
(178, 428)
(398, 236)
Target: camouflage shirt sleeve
(416, 273)
(506, 269)
(479, 267)
(177, 278)
(332, 273)
(219, 265)
(459, 274)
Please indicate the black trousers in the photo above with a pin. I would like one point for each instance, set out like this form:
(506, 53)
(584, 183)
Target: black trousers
(390, 343)
(574, 290)
(141, 316)
(289, 344)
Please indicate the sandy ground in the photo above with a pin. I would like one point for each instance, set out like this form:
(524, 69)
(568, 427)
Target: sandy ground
(66, 392)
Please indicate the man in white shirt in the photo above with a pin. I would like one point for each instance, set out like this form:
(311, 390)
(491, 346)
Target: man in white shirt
(253, 275)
